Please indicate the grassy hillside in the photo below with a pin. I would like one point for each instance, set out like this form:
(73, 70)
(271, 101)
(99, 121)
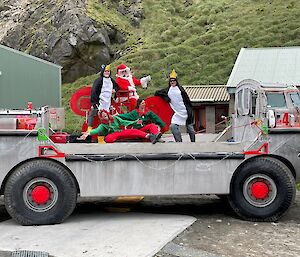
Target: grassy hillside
(199, 38)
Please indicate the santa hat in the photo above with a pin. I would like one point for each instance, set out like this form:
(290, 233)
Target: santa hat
(122, 67)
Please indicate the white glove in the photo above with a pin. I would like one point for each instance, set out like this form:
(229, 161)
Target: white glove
(144, 81)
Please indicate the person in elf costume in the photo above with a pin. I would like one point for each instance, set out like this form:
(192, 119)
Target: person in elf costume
(103, 88)
(128, 82)
(111, 128)
(145, 120)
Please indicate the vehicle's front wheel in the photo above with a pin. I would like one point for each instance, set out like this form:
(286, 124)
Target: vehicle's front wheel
(40, 192)
(262, 190)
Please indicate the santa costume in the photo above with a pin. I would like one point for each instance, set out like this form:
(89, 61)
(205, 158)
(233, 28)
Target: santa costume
(127, 82)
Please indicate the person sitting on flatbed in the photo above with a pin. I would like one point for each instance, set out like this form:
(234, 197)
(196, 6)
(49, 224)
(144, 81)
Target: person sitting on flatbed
(146, 120)
(111, 128)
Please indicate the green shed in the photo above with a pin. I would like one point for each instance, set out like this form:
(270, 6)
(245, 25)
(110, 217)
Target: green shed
(25, 78)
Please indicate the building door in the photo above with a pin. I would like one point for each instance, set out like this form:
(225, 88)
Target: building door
(221, 110)
(202, 119)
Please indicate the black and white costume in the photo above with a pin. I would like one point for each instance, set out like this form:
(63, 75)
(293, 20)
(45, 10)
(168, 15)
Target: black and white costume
(182, 107)
(101, 95)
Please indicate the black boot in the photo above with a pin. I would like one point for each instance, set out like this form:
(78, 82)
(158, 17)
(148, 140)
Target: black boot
(152, 138)
(157, 137)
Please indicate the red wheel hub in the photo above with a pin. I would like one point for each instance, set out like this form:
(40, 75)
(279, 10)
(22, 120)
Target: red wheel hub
(40, 194)
(260, 190)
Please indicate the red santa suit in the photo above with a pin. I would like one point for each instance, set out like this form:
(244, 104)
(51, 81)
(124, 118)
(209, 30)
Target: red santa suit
(128, 83)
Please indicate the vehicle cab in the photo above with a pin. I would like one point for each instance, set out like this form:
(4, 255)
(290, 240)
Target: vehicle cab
(257, 104)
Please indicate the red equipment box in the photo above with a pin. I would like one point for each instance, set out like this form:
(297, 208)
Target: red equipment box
(59, 137)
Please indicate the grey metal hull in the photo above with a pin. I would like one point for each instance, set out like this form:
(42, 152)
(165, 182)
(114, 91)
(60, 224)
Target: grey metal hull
(161, 169)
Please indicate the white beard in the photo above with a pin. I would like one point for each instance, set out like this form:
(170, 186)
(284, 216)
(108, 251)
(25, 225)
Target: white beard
(129, 78)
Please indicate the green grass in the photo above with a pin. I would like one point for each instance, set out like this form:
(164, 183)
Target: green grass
(199, 38)
(298, 186)
(107, 15)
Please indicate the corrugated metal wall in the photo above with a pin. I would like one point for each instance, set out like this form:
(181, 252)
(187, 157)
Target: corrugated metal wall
(24, 78)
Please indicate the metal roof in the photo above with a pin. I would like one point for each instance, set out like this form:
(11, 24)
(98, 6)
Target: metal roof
(25, 78)
(207, 93)
(270, 65)
(30, 56)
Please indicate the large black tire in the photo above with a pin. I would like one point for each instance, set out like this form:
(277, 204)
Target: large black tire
(40, 192)
(262, 190)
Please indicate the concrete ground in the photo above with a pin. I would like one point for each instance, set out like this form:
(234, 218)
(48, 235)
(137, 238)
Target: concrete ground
(217, 232)
(96, 232)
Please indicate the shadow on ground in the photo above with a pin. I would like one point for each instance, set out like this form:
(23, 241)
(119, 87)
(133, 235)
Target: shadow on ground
(185, 205)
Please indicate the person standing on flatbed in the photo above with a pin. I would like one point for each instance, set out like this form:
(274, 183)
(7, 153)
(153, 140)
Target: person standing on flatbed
(103, 88)
(181, 104)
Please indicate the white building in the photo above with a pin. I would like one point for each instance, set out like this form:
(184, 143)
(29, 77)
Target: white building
(268, 65)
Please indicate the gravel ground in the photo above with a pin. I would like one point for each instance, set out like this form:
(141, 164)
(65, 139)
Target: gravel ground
(217, 231)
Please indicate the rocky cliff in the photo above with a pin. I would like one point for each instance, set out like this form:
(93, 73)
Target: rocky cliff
(67, 32)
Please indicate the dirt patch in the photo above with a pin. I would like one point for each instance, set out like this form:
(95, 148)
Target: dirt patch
(217, 234)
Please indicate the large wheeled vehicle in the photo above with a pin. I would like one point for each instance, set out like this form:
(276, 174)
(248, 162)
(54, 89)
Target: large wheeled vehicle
(255, 161)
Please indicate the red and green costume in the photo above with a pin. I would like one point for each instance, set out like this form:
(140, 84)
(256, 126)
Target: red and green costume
(113, 130)
(143, 121)
(140, 125)
(111, 127)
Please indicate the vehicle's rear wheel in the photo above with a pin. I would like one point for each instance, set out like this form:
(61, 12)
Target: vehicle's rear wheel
(262, 190)
(40, 192)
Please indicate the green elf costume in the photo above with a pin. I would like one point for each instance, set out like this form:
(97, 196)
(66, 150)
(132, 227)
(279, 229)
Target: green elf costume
(111, 128)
